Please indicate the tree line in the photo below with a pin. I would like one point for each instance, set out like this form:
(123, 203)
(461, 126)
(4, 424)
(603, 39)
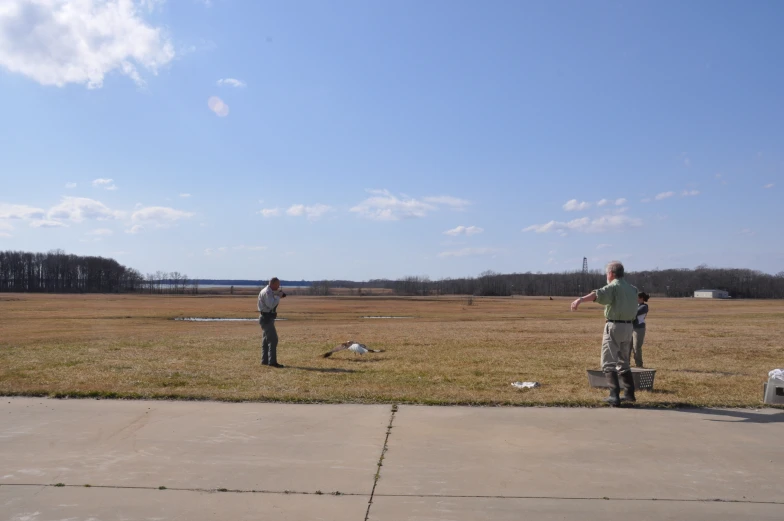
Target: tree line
(60, 272)
(739, 283)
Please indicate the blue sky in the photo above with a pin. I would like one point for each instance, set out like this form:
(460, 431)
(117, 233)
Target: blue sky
(358, 140)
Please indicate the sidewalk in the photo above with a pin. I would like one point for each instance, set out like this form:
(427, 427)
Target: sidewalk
(224, 461)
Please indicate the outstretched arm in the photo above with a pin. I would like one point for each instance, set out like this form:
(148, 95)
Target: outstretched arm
(590, 297)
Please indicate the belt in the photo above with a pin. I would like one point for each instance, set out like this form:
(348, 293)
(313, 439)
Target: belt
(620, 321)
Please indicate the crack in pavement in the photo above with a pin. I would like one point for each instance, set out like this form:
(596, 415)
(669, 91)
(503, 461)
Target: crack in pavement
(355, 494)
(381, 461)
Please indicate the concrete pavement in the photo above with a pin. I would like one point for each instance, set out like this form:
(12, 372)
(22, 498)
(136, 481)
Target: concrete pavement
(206, 460)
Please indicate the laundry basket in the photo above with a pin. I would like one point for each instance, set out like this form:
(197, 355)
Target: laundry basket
(643, 378)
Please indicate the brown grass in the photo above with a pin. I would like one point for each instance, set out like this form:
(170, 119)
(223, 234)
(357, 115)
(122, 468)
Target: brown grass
(714, 353)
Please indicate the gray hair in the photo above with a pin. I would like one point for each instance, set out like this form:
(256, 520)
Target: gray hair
(273, 280)
(616, 268)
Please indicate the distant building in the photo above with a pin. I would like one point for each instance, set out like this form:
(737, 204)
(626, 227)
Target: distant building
(711, 293)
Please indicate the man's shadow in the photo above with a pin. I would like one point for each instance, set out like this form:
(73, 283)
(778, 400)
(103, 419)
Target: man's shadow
(745, 416)
(323, 369)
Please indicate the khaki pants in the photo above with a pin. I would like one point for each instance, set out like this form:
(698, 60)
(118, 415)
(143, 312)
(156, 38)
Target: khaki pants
(637, 340)
(616, 347)
(269, 341)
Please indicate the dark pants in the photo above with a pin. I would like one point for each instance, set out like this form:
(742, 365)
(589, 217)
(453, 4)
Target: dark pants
(269, 341)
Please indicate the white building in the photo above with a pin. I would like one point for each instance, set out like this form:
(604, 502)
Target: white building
(711, 293)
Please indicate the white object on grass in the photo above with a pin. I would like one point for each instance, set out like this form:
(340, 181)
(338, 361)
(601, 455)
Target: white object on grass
(778, 374)
(354, 347)
(526, 385)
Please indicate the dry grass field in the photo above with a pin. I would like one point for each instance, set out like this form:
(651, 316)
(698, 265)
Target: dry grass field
(714, 353)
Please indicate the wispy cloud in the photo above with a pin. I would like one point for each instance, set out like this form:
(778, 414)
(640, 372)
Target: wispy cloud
(690, 193)
(185, 196)
(80, 42)
(270, 212)
(47, 223)
(77, 209)
(447, 200)
(135, 229)
(242, 247)
(603, 246)
(574, 205)
(603, 202)
(664, 195)
(218, 106)
(602, 224)
(20, 211)
(313, 213)
(469, 252)
(231, 82)
(620, 202)
(464, 230)
(748, 231)
(102, 232)
(769, 186)
(215, 251)
(70, 185)
(159, 215)
(385, 206)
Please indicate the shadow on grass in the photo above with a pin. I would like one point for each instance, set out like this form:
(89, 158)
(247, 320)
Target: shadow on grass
(322, 369)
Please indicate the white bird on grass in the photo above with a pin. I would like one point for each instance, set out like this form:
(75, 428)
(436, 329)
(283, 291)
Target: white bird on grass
(354, 347)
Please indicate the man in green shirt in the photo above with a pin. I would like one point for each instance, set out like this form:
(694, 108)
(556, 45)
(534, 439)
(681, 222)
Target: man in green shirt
(620, 308)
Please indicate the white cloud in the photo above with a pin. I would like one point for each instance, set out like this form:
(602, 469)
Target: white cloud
(56, 42)
(107, 184)
(448, 200)
(159, 215)
(464, 230)
(313, 213)
(384, 206)
(664, 195)
(270, 212)
(70, 185)
(573, 205)
(218, 251)
(620, 202)
(769, 185)
(46, 223)
(250, 248)
(603, 202)
(20, 211)
(748, 231)
(218, 106)
(78, 209)
(690, 193)
(587, 225)
(231, 82)
(5, 235)
(100, 232)
(6, 226)
(185, 195)
(137, 228)
(603, 246)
